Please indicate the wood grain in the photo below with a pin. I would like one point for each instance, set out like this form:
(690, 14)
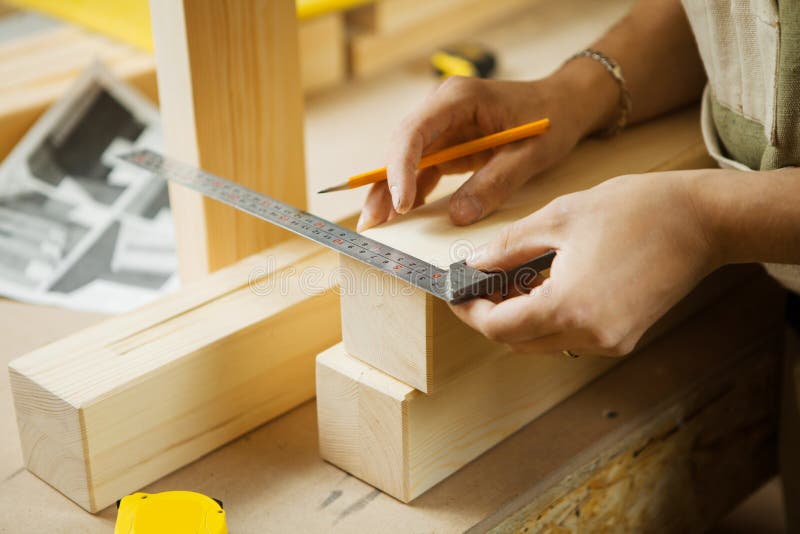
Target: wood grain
(231, 103)
(323, 60)
(115, 407)
(404, 441)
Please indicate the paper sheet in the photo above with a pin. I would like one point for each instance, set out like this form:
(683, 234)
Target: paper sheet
(78, 227)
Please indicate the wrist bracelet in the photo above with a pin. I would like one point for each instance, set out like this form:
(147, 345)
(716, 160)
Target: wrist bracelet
(615, 71)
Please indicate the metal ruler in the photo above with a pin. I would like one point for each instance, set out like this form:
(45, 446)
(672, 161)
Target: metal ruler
(456, 284)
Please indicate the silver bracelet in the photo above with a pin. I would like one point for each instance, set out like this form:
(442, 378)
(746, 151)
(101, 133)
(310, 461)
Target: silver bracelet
(615, 71)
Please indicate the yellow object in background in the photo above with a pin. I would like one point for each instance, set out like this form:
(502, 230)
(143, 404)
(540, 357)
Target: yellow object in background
(447, 65)
(307, 9)
(129, 20)
(170, 512)
(126, 20)
(464, 59)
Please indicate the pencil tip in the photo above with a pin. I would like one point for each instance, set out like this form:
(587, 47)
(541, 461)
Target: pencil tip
(340, 187)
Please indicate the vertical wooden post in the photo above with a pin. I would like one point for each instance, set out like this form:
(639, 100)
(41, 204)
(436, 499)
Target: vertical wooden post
(232, 103)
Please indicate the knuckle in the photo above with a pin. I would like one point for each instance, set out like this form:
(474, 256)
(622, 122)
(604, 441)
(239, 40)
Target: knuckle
(414, 135)
(609, 341)
(462, 89)
(561, 207)
(574, 317)
(584, 320)
(406, 127)
(458, 84)
(557, 212)
(625, 347)
(498, 187)
(536, 158)
(410, 129)
(493, 333)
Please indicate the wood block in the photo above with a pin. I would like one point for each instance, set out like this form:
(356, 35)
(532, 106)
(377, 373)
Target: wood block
(323, 61)
(117, 406)
(385, 16)
(413, 336)
(232, 103)
(404, 442)
(444, 21)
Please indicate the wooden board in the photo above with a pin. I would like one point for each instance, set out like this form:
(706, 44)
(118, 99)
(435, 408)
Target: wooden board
(110, 409)
(374, 51)
(231, 103)
(413, 336)
(403, 442)
(386, 16)
(323, 61)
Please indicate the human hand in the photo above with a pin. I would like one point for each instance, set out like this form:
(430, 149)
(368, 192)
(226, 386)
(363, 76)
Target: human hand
(462, 109)
(627, 251)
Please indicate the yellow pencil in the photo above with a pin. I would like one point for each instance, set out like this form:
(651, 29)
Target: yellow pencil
(454, 152)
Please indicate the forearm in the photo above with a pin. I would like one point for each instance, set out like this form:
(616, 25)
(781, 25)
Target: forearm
(656, 50)
(750, 216)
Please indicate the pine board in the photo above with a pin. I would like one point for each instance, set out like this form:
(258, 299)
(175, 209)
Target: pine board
(110, 409)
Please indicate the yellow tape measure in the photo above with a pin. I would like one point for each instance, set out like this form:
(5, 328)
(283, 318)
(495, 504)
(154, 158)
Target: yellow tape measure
(170, 512)
(464, 59)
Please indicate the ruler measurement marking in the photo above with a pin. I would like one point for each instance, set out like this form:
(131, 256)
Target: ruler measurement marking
(424, 275)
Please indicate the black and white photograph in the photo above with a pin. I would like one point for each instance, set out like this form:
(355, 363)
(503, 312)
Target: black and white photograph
(80, 227)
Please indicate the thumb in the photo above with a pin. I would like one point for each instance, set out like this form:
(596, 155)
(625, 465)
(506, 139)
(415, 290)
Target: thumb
(517, 243)
(507, 170)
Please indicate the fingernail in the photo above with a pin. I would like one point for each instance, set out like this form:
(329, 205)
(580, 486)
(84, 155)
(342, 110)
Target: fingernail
(393, 190)
(469, 209)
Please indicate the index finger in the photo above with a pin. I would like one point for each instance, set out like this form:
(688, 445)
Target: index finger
(444, 110)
